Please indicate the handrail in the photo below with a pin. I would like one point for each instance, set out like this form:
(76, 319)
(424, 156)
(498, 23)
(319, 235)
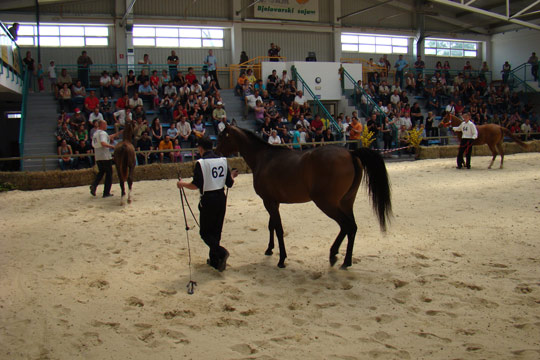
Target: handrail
(258, 60)
(22, 123)
(315, 98)
(355, 84)
(526, 76)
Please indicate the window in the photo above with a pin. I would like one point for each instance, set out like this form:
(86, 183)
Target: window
(374, 44)
(63, 35)
(450, 48)
(175, 36)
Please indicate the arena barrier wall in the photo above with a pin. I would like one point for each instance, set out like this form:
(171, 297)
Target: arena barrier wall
(57, 179)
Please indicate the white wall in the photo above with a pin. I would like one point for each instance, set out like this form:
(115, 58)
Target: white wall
(514, 47)
(329, 87)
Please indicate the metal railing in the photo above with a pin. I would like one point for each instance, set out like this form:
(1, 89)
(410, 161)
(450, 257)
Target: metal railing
(319, 104)
(520, 76)
(370, 101)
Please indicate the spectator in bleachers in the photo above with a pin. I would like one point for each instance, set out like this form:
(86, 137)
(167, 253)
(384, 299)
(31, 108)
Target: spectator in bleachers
(164, 78)
(141, 125)
(131, 83)
(184, 131)
(166, 109)
(123, 102)
(51, 71)
(526, 129)
(328, 136)
(91, 102)
(273, 52)
(431, 130)
(155, 81)
(105, 84)
(250, 102)
(157, 132)
(218, 113)
(177, 155)
(222, 124)
(106, 108)
(135, 101)
(78, 93)
(64, 98)
(238, 89)
(272, 112)
(144, 144)
(533, 61)
(83, 66)
(395, 98)
(179, 80)
(184, 92)
(120, 117)
(259, 85)
(138, 112)
(190, 76)
(355, 132)
(142, 78)
(416, 114)
(250, 76)
(259, 112)
(400, 65)
(433, 102)
(506, 68)
(78, 118)
(81, 134)
(84, 147)
(205, 80)
(212, 89)
(95, 115)
(173, 132)
(93, 129)
(293, 112)
(66, 161)
(178, 112)
(266, 129)
(148, 93)
(64, 134)
(196, 88)
(31, 70)
(117, 84)
(199, 129)
(169, 90)
(271, 81)
(64, 78)
(274, 138)
(443, 126)
(285, 137)
(166, 144)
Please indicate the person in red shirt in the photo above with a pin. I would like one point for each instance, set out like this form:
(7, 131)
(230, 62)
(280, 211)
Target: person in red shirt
(190, 76)
(123, 102)
(91, 102)
(154, 79)
(316, 124)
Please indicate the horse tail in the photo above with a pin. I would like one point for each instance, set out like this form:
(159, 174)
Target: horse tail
(377, 182)
(507, 132)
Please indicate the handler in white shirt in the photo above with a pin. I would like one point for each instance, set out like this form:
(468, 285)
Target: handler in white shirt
(469, 134)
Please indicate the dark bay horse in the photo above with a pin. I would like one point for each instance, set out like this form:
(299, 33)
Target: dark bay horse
(328, 175)
(490, 134)
(124, 158)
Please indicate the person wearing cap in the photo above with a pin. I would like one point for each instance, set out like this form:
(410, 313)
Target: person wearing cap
(210, 176)
(218, 113)
(469, 134)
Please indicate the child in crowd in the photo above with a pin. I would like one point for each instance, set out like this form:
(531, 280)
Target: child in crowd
(52, 77)
(40, 79)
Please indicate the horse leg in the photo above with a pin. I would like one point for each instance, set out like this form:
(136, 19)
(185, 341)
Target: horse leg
(121, 182)
(494, 153)
(347, 224)
(269, 251)
(275, 223)
(130, 183)
(501, 152)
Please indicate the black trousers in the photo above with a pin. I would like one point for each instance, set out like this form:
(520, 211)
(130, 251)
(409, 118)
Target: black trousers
(465, 148)
(105, 168)
(213, 75)
(212, 214)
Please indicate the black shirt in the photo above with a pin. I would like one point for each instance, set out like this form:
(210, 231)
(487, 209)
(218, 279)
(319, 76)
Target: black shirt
(144, 144)
(198, 179)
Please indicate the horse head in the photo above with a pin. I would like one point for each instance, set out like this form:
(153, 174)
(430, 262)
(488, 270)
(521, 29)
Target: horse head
(453, 120)
(227, 141)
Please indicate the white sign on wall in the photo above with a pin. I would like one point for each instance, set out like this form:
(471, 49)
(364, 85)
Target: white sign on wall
(298, 10)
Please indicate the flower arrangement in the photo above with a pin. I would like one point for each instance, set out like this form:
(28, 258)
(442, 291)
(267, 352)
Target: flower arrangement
(367, 137)
(415, 137)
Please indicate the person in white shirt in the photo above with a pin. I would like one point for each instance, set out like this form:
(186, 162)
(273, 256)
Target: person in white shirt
(395, 98)
(526, 129)
(52, 77)
(222, 124)
(251, 102)
(101, 141)
(95, 115)
(135, 101)
(450, 108)
(469, 134)
(120, 118)
(274, 138)
(299, 98)
(105, 84)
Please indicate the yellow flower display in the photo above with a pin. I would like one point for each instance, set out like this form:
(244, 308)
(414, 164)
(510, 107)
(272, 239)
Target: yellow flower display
(415, 137)
(367, 137)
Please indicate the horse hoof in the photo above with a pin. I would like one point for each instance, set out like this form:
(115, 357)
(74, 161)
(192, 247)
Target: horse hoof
(268, 252)
(344, 267)
(281, 265)
(129, 201)
(333, 260)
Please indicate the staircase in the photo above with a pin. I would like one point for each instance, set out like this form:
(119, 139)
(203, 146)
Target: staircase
(40, 125)
(234, 106)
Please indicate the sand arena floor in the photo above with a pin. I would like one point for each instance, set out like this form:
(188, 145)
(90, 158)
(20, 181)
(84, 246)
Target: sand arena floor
(457, 276)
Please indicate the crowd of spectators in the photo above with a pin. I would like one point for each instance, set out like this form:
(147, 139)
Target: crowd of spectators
(185, 103)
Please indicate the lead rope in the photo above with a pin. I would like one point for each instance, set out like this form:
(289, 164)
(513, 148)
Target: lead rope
(191, 284)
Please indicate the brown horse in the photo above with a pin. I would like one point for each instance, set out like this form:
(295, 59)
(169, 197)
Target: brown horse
(328, 175)
(124, 158)
(490, 134)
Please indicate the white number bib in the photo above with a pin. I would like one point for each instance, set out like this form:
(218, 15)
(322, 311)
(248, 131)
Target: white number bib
(214, 173)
